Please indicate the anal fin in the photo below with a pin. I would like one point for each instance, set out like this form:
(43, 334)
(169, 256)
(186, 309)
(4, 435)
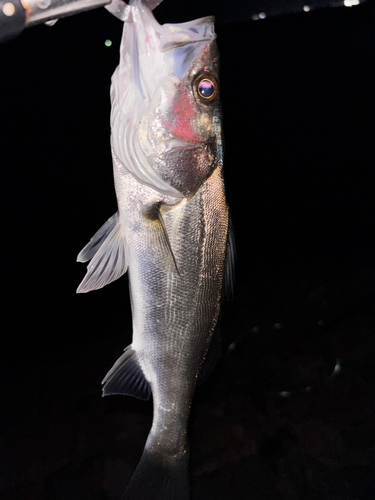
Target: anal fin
(127, 377)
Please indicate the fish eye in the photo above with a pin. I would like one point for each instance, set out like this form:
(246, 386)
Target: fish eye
(207, 88)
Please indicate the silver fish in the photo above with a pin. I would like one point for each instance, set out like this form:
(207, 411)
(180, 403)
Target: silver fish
(170, 231)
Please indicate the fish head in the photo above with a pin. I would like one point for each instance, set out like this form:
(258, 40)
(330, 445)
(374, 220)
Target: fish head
(166, 117)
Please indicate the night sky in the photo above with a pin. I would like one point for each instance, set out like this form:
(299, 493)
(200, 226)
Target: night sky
(298, 108)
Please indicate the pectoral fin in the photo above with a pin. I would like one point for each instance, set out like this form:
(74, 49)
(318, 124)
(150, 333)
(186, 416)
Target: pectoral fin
(107, 251)
(159, 232)
(166, 240)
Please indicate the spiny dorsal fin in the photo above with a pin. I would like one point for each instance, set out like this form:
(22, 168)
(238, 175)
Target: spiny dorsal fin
(126, 377)
(229, 271)
(107, 252)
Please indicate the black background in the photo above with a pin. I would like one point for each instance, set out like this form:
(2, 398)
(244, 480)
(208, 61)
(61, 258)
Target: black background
(298, 108)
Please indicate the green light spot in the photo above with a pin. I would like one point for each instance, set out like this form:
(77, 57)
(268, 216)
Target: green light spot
(108, 43)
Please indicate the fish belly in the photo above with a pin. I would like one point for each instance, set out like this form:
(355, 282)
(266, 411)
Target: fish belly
(175, 302)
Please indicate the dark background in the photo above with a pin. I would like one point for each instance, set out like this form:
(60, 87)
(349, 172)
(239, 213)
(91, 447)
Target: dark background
(298, 106)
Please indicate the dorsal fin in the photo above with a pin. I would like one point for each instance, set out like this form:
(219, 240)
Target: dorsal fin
(107, 252)
(229, 271)
(212, 357)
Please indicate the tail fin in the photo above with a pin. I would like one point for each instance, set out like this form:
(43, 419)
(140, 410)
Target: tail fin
(159, 479)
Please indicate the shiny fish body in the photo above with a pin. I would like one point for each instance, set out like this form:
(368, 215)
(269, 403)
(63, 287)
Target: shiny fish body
(170, 231)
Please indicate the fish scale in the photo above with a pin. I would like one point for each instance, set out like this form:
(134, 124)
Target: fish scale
(170, 232)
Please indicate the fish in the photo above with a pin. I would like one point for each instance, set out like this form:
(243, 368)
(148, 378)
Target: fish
(172, 231)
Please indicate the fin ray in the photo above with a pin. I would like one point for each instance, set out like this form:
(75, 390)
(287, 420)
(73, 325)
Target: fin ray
(166, 240)
(88, 252)
(126, 377)
(229, 271)
(212, 357)
(107, 252)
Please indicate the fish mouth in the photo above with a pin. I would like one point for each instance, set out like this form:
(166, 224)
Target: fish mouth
(175, 144)
(170, 36)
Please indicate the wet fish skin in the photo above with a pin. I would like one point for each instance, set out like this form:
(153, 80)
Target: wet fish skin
(170, 232)
(174, 316)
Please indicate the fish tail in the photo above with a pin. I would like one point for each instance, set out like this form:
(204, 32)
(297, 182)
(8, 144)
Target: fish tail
(159, 479)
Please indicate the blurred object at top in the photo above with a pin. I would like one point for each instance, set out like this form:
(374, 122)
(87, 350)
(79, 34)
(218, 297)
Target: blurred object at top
(261, 9)
(246, 10)
(18, 14)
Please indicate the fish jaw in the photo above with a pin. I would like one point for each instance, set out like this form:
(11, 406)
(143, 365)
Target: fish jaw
(154, 102)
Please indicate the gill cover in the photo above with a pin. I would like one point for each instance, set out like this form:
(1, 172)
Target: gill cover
(153, 60)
